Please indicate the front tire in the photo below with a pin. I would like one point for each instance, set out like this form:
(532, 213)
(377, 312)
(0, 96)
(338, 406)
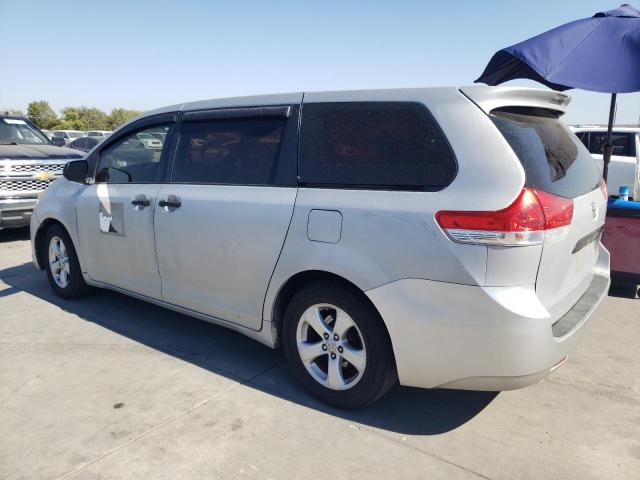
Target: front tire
(62, 265)
(337, 346)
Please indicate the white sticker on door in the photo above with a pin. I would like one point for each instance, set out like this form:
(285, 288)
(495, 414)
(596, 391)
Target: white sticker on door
(111, 218)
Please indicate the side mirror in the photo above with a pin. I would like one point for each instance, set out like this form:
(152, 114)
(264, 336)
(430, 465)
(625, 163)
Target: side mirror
(76, 171)
(57, 141)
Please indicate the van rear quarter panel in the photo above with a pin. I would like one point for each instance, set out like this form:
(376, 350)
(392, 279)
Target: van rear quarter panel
(392, 235)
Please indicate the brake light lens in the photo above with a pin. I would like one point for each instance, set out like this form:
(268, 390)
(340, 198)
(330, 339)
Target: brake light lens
(533, 218)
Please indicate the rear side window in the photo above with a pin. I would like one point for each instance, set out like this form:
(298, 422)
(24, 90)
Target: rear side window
(396, 145)
(553, 158)
(236, 151)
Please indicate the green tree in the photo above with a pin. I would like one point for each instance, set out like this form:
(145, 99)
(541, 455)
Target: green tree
(71, 119)
(93, 119)
(83, 118)
(40, 113)
(119, 116)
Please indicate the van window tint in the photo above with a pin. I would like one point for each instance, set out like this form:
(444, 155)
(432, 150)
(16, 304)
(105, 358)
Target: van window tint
(374, 145)
(553, 158)
(133, 159)
(238, 152)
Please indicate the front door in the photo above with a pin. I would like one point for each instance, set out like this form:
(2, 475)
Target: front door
(116, 213)
(222, 219)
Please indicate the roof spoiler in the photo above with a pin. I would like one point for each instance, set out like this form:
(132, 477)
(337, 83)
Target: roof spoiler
(490, 98)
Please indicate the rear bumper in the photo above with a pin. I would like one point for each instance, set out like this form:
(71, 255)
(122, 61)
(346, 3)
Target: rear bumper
(16, 212)
(481, 338)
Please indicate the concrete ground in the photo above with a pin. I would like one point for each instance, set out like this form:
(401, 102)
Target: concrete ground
(111, 387)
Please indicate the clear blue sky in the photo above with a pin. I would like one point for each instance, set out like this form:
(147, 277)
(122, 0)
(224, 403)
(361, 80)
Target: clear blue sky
(144, 54)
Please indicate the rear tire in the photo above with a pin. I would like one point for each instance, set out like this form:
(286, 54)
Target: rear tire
(336, 344)
(62, 265)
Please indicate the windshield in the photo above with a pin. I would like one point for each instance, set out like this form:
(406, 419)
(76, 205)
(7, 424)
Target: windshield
(76, 134)
(145, 136)
(15, 131)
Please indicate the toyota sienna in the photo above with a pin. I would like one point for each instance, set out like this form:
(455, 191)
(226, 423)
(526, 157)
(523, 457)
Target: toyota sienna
(437, 237)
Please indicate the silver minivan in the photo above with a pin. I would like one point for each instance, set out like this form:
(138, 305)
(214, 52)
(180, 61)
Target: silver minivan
(436, 237)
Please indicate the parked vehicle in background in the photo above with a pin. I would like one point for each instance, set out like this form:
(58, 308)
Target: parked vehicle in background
(99, 133)
(623, 168)
(84, 144)
(365, 231)
(29, 162)
(68, 135)
(150, 141)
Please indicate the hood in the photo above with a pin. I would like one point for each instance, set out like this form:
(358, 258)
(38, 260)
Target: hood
(37, 152)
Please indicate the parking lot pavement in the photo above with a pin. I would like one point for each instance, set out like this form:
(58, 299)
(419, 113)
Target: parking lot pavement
(111, 387)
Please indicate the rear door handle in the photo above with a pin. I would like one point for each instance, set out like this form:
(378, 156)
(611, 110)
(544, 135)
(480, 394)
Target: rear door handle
(141, 201)
(171, 202)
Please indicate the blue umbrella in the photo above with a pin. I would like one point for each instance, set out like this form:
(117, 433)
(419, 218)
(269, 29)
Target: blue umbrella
(601, 54)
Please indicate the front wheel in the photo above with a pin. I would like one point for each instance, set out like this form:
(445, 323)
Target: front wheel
(62, 265)
(336, 344)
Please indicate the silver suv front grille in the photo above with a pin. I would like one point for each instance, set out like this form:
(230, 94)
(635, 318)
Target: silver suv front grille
(24, 185)
(33, 168)
(27, 178)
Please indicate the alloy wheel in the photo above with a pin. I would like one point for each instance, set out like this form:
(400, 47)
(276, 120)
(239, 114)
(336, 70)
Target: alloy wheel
(59, 262)
(331, 346)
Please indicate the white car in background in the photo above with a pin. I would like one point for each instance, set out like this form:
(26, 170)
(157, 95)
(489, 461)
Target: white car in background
(68, 135)
(99, 133)
(150, 141)
(625, 160)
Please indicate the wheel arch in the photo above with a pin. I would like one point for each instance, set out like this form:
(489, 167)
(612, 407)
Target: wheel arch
(301, 279)
(39, 239)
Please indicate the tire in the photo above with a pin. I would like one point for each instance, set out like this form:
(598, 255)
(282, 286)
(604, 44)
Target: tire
(326, 371)
(74, 286)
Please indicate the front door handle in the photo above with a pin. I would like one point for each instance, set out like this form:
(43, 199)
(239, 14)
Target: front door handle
(141, 201)
(171, 202)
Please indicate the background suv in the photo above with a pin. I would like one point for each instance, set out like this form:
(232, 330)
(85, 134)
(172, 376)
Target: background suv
(29, 162)
(441, 237)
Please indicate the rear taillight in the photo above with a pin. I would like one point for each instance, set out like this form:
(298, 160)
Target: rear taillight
(533, 218)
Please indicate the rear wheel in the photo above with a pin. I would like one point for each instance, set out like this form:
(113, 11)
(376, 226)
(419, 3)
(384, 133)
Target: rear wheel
(337, 346)
(62, 266)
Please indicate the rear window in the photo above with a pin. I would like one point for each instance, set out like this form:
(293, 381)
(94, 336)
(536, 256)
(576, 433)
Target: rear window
(395, 145)
(553, 158)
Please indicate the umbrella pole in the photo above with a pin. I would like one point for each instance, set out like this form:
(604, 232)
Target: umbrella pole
(608, 146)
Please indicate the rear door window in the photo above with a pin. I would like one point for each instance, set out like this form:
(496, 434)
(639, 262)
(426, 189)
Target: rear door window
(243, 151)
(553, 158)
(391, 145)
